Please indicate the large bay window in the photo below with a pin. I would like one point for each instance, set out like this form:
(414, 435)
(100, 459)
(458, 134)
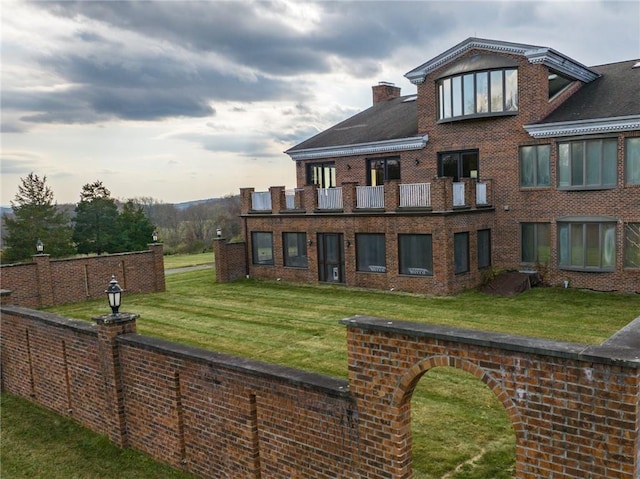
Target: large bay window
(587, 244)
(415, 254)
(534, 165)
(588, 164)
(482, 93)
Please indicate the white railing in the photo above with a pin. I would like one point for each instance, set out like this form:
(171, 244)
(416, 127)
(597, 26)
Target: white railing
(261, 201)
(330, 198)
(290, 199)
(415, 195)
(481, 194)
(370, 196)
(458, 194)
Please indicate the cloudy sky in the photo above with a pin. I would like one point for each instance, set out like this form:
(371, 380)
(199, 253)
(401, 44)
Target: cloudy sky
(184, 100)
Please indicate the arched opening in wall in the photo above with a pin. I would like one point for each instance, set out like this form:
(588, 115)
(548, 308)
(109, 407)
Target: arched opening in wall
(460, 430)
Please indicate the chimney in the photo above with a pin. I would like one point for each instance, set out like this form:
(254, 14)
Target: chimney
(384, 91)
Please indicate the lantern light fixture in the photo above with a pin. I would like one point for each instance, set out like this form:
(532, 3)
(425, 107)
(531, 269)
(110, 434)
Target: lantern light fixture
(39, 247)
(154, 236)
(219, 232)
(114, 294)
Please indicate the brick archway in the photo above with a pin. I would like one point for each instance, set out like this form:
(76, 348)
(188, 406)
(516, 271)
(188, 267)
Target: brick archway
(401, 400)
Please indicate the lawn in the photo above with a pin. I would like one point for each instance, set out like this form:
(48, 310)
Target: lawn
(173, 261)
(455, 416)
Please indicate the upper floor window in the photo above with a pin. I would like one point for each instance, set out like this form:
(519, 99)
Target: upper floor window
(534, 165)
(380, 170)
(322, 175)
(458, 164)
(482, 93)
(587, 164)
(632, 161)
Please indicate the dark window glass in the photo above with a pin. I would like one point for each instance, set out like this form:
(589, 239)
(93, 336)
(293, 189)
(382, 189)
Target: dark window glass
(632, 161)
(370, 252)
(535, 242)
(458, 164)
(484, 248)
(587, 246)
(461, 252)
(295, 249)
(415, 253)
(262, 247)
(535, 165)
(383, 169)
(632, 245)
(588, 164)
(322, 175)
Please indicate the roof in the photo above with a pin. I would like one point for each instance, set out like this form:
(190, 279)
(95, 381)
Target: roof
(616, 93)
(389, 120)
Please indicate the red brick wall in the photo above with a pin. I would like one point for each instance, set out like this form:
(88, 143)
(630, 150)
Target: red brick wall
(47, 282)
(574, 409)
(231, 260)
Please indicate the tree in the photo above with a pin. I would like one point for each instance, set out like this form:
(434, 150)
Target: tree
(36, 217)
(134, 227)
(96, 221)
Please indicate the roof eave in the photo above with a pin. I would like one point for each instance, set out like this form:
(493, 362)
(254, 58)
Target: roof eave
(385, 146)
(584, 127)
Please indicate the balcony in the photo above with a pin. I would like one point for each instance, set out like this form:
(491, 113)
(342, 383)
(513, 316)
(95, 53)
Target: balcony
(439, 195)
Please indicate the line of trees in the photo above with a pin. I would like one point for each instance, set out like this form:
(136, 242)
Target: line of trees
(100, 224)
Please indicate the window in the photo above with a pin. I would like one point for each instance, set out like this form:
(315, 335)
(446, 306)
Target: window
(262, 247)
(322, 175)
(370, 254)
(557, 84)
(535, 242)
(632, 245)
(484, 248)
(587, 245)
(632, 161)
(295, 249)
(461, 252)
(587, 164)
(483, 93)
(415, 254)
(534, 165)
(380, 170)
(458, 164)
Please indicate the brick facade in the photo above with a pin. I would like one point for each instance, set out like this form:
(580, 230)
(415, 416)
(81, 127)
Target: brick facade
(575, 409)
(497, 140)
(46, 282)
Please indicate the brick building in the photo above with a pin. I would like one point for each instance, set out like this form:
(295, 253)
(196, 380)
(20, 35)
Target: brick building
(509, 156)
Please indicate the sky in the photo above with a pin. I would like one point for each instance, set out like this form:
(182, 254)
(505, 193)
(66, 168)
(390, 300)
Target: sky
(186, 100)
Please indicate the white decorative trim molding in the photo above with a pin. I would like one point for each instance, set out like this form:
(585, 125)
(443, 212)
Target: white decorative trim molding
(584, 127)
(535, 54)
(387, 146)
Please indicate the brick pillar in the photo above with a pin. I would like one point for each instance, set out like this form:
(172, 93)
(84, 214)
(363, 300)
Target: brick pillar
(45, 280)
(349, 198)
(310, 198)
(109, 328)
(442, 194)
(220, 254)
(5, 296)
(278, 201)
(158, 265)
(245, 200)
(392, 195)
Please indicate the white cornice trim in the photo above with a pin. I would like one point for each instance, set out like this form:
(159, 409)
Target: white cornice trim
(535, 54)
(387, 146)
(584, 127)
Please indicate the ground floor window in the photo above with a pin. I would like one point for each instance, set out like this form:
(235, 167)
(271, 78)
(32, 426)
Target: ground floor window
(461, 252)
(484, 248)
(295, 249)
(415, 252)
(262, 247)
(535, 242)
(587, 245)
(632, 245)
(370, 252)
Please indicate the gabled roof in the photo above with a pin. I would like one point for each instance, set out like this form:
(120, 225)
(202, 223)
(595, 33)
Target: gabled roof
(534, 53)
(607, 104)
(387, 126)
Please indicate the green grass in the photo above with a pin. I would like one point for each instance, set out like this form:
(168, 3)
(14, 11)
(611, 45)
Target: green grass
(184, 260)
(37, 443)
(455, 416)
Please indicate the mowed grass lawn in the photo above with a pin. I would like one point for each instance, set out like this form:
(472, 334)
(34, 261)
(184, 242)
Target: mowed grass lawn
(460, 430)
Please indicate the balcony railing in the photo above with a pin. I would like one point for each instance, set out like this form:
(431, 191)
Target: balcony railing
(330, 198)
(290, 199)
(481, 194)
(415, 195)
(458, 194)
(370, 196)
(261, 201)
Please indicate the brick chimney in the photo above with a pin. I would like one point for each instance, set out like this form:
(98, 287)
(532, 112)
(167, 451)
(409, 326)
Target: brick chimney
(384, 91)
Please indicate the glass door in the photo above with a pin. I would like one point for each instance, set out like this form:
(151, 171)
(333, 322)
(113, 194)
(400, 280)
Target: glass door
(330, 258)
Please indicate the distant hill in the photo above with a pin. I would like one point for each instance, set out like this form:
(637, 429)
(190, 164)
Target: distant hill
(184, 205)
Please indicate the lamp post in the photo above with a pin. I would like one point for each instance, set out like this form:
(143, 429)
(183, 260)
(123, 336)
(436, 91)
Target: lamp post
(39, 247)
(154, 236)
(114, 293)
(219, 232)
